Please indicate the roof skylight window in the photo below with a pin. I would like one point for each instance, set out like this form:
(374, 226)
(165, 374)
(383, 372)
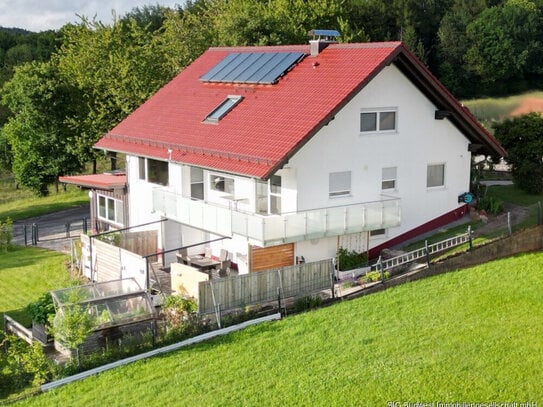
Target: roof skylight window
(222, 110)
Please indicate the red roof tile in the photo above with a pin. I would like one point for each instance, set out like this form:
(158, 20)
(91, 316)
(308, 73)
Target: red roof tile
(269, 125)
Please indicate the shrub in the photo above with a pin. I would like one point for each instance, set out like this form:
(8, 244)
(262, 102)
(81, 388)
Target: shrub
(373, 276)
(305, 303)
(490, 204)
(350, 259)
(177, 309)
(23, 364)
(41, 309)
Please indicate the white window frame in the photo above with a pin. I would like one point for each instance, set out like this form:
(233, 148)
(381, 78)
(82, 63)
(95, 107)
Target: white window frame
(269, 195)
(379, 120)
(339, 184)
(443, 175)
(196, 180)
(388, 175)
(118, 209)
(143, 170)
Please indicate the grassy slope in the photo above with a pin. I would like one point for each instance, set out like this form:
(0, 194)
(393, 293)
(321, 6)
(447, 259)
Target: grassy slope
(22, 203)
(27, 273)
(489, 110)
(472, 335)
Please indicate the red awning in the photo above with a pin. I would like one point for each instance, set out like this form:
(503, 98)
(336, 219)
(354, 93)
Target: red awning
(107, 182)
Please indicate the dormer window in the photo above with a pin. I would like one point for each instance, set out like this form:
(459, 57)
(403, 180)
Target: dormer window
(222, 110)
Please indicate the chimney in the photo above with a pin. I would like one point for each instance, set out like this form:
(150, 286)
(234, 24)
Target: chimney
(321, 39)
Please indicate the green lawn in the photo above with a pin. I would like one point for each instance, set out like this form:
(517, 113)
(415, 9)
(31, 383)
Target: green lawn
(468, 336)
(26, 274)
(22, 203)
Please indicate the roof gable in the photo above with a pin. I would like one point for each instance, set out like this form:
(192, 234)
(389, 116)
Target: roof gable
(272, 121)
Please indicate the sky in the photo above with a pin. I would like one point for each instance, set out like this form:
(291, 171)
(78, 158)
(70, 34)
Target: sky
(41, 15)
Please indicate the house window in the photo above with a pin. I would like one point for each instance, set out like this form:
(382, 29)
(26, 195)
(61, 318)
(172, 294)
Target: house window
(222, 184)
(222, 110)
(388, 178)
(154, 171)
(142, 166)
(196, 183)
(377, 121)
(339, 184)
(435, 175)
(275, 194)
(157, 172)
(110, 209)
(377, 232)
(268, 196)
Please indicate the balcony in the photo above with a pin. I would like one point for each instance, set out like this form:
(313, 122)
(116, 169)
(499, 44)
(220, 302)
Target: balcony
(270, 230)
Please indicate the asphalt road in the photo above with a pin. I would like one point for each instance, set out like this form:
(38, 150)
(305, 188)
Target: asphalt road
(55, 230)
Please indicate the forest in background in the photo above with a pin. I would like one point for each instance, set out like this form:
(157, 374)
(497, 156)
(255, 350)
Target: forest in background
(61, 90)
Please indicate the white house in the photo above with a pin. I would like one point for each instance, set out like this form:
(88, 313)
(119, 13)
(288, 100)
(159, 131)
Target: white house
(292, 151)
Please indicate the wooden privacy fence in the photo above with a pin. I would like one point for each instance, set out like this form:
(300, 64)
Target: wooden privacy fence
(265, 286)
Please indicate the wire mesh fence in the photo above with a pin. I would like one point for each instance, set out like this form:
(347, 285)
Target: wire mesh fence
(513, 218)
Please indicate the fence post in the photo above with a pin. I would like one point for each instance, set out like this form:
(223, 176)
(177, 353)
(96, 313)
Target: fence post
(25, 233)
(332, 276)
(34, 234)
(279, 300)
(539, 212)
(469, 238)
(509, 223)
(427, 252)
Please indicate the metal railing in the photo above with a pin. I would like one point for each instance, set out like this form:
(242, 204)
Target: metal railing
(422, 253)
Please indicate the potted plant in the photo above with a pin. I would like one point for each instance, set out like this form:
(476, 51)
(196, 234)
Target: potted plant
(41, 311)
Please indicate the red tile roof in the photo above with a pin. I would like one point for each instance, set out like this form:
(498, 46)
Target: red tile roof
(106, 182)
(272, 121)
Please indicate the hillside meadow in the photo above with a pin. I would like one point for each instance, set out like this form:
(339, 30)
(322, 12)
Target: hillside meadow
(468, 336)
(492, 110)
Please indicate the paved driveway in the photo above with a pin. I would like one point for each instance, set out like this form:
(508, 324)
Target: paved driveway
(52, 228)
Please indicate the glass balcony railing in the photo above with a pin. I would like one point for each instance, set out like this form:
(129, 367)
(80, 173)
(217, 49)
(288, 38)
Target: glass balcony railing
(268, 230)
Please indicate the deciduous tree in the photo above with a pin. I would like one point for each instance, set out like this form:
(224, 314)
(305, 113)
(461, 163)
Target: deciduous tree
(521, 136)
(37, 132)
(505, 42)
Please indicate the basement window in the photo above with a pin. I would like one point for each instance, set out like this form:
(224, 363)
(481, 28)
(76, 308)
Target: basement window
(223, 109)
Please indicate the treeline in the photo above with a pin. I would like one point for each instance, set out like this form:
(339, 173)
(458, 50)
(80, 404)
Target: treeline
(85, 78)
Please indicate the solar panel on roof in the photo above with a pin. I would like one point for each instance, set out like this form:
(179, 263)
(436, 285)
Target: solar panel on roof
(252, 67)
(324, 33)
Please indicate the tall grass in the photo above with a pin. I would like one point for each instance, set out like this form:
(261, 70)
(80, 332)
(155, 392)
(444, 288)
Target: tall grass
(491, 110)
(468, 336)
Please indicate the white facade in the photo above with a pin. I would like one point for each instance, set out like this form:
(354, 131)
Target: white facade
(340, 147)
(419, 140)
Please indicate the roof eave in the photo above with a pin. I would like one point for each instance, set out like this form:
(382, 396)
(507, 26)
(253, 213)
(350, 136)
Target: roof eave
(460, 116)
